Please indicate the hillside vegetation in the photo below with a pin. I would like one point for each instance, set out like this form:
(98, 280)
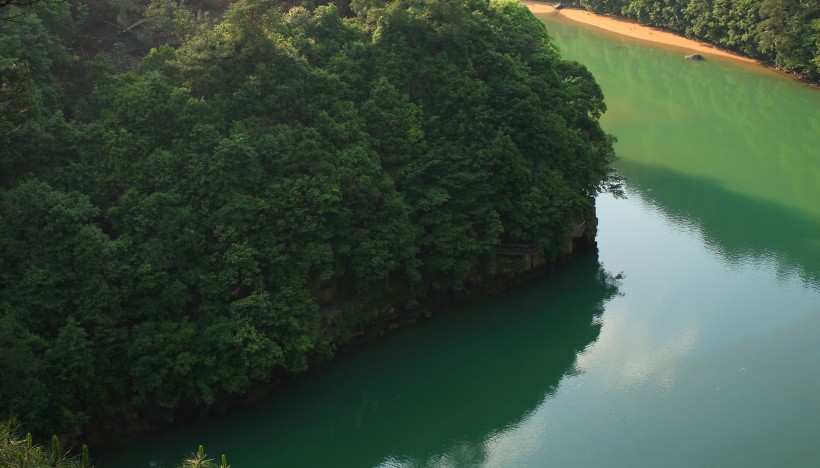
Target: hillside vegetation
(176, 195)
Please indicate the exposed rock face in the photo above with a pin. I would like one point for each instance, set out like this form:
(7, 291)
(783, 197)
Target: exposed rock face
(694, 57)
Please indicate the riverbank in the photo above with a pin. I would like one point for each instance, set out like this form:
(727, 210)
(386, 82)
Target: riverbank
(634, 30)
(499, 277)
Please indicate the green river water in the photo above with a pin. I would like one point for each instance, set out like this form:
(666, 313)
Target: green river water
(689, 339)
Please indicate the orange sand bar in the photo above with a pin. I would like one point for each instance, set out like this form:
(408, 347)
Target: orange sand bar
(631, 29)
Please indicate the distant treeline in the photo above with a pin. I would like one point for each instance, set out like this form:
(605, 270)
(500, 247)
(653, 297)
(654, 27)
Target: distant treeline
(179, 184)
(784, 33)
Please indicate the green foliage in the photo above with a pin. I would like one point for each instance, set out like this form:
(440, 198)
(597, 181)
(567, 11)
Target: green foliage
(197, 211)
(16, 451)
(32, 124)
(784, 33)
(200, 460)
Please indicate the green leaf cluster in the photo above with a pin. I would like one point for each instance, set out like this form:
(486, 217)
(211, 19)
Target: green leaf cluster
(22, 452)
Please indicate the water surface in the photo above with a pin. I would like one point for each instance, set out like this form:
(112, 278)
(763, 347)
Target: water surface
(704, 351)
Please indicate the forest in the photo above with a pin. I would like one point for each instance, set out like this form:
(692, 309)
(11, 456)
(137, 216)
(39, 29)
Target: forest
(185, 187)
(782, 33)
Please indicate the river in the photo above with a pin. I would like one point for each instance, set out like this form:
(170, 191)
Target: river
(690, 338)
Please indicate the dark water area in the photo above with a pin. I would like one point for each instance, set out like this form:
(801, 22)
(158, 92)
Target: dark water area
(431, 392)
(703, 352)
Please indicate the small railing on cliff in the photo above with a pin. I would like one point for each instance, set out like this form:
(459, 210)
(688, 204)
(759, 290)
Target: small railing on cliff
(578, 228)
(516, 250)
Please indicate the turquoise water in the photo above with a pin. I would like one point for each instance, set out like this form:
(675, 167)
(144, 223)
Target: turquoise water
(690, 339)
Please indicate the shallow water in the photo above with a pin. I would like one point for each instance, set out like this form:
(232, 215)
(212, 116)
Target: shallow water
(703, 351)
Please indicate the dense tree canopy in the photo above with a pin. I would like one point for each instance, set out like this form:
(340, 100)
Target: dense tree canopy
(170, 227)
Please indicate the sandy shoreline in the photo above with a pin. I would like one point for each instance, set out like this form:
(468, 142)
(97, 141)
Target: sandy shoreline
(631, 29)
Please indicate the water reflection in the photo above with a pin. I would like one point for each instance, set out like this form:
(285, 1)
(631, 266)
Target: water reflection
(701, 360)
(737, 228)
(429, 395)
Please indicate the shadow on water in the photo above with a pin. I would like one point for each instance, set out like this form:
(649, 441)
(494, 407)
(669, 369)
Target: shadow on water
(738, 227)
(432, 393)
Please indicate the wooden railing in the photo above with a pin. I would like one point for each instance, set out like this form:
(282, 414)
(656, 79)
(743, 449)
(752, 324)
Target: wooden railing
(578, 228)
(516, 249)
